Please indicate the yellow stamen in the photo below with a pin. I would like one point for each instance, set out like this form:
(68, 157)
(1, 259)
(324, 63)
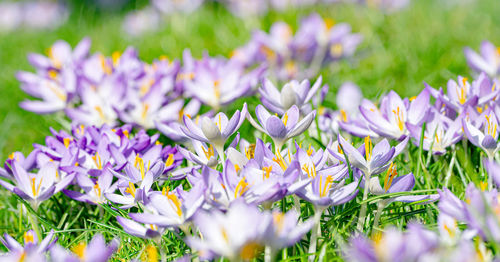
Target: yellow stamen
(343, 115)
(329, 23)
(177, 203)
(241, 188)
(412, 98)
(368, 148)
(66, 141)
(311, 171)
(337, 49)
(52, 74)
(250, 250)
(125, 133)
(280, 160)
(104, 65)
(100, 112)
(217, 88)
(115, 57)
(399, 118)
(209, 152)
(170, 160)
(278, 218)
(97, 190)
(150, 254)
(35, 189)
(326, 188)
(28, 237)
(390, 175)
(250, 151)
(79, 250)
(97, 160)
(483, 185)
(310, 151)
(267, 171)
(130, 189)
(144, 113)
(237, 168)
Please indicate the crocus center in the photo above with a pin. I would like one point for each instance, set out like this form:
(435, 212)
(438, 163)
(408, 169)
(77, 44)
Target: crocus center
(100, 112)
(368, 148)
(150, 254)
(285, 119)
(336, 50)
(66, 141)
(144, 89)
(390, 175)
(57, 91)
(144, 112)
(28, 237)
(115, 57)
(170, 160)
(398, 115)
(310, 170)
(55, 61)
(281, 161)
(97, 160)
(219, 123)
(35, 189)
(278, 219)
(310, 151)
(492, 127)
(462, 93)
(267, 171)
(450, 230)
(79, 250)
(52, 74)
(130, 189)
(104, 65)
(323, 190)
(139, 164)
(177, 203)
(249, 250)
(97, 190)
(241, 188)
(217, 88)
(250, 151)
(209, 152)
(343, 115)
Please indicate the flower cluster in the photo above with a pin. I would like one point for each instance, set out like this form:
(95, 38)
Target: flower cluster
(31, 14)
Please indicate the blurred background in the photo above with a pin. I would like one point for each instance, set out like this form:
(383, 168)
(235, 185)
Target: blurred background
(405, 43)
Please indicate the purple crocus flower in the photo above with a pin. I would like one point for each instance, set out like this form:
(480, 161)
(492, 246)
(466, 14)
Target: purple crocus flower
(493, 169)
(238, 234)
(172, 209)
(36, 188)
(215, 130)
(203, 154)
(292, 93)
(31, 251)
(486, 139)
(280, 130)
(94, 190)
(96, 250)
(143, 21)
(323, 192)
(488, 60)
(390, 120)
(376, 160)
(440, 132)
(139, 230)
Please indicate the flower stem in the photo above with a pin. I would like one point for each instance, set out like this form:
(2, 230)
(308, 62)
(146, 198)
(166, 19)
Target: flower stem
(34, 224)
(380, 208)
(362, 212)
(268, 254)
(450, 169)
(316, 232)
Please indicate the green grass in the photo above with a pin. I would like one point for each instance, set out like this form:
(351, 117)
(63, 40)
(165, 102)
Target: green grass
(422, 43)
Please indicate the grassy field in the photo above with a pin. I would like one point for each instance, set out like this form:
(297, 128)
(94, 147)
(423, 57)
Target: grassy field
(400, 50)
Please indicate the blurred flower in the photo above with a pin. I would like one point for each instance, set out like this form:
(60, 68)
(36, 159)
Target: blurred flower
(486, 139)
(31, 251)
(96, 250)
(487, 61)
(292, 93)
(139, 22)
